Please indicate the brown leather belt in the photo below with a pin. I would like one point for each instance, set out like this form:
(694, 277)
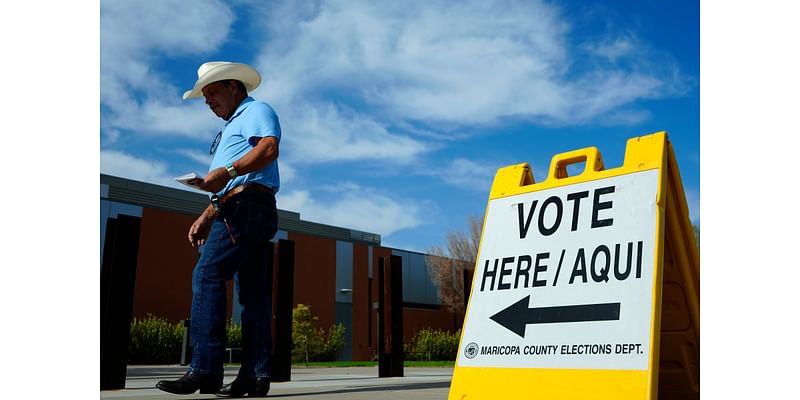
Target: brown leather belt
(245, 188)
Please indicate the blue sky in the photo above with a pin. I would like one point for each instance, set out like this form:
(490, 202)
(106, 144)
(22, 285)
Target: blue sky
(395, 116)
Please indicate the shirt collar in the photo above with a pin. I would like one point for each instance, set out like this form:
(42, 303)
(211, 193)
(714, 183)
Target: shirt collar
(242, 106)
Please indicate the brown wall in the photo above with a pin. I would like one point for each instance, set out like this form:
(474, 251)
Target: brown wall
(416, 319)
(315, 276)
(166, 261)
(164, 266)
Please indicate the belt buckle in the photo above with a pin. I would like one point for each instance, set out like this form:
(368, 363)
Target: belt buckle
(215, 202)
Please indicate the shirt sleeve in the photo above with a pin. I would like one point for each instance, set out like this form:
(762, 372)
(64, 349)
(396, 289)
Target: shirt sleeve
(262, 122)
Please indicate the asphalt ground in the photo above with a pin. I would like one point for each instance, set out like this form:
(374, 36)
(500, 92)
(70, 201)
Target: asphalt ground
(307, 383)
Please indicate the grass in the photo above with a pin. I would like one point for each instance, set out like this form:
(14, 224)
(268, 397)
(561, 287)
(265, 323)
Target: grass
(429, 363)
(375, 363)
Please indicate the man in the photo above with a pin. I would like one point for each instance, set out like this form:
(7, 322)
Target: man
(234, 232)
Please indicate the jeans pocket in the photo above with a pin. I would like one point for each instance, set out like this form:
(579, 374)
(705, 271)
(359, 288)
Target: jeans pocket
(262, 222)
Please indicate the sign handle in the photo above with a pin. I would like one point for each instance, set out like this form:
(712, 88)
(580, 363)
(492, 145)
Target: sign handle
(594, 162)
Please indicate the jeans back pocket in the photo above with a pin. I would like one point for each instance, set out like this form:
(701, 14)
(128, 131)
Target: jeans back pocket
(262, 222)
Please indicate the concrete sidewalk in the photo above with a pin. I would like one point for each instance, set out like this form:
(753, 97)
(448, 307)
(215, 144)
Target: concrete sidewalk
(306, 383)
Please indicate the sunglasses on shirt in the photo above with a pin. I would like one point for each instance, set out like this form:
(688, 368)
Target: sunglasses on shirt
(215, 143)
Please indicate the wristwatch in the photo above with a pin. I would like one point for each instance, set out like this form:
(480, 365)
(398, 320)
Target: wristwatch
(231, 170)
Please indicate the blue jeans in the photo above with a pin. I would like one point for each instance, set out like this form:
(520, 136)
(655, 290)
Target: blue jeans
(253, 221)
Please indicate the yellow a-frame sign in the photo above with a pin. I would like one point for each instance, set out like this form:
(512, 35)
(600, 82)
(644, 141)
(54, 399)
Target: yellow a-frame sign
(585, 286)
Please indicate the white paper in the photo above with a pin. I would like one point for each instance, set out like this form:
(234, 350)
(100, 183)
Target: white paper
(184, 179)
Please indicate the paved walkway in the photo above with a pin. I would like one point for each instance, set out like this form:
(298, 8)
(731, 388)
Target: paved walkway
(306, 383)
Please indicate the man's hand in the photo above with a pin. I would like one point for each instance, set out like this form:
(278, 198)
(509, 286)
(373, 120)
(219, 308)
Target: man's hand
(198, 232)
(214, 181)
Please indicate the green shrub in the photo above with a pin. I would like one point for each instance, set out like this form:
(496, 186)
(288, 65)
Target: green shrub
(154, 341)
(310, 343)
(431, 344)
(234, 333)
(333, 344)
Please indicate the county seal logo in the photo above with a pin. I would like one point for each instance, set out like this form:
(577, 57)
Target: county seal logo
(471, 350)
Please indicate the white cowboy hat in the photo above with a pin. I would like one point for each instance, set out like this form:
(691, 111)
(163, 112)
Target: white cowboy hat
(214, 71)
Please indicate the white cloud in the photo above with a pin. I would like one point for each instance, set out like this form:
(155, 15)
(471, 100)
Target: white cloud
(134, 35)
(166, 25)
(201, 157)
(432, 62)
(426, 60)
(193, 119)
(603, 91)
(124, 165)
(296, 200)
(287, 171)
(625, 117)
(614, 48)
(352, 80)
(361, 209)
(111, 135)
(466, 174)
(324, 133)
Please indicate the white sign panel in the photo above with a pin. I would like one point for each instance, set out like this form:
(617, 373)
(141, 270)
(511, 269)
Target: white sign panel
(565, 278)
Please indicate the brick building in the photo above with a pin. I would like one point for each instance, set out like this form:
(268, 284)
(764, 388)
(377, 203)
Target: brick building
(335, 268)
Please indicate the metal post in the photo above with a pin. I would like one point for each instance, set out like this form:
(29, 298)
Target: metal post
(186, 346)
(384, 360)
(281, 365)
(117, 284)
(397, 315)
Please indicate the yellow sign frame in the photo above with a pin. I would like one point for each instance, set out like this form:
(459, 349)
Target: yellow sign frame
(675, 250)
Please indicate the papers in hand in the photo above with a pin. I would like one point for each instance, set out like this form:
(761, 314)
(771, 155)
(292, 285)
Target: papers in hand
(190, 177)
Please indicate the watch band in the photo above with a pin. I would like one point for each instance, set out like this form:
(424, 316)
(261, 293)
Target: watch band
(231, 170)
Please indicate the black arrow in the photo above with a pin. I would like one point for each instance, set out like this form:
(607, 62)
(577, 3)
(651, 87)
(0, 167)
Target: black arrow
(518, 315)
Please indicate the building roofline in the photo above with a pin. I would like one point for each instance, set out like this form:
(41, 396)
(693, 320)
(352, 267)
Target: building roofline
(145, 194)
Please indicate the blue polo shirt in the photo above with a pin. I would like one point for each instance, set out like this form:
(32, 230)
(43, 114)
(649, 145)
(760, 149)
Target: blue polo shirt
(251, 120)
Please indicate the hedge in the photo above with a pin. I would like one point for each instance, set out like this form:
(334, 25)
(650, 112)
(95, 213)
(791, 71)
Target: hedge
(312, 343)
(154, 340)
(431, 344)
